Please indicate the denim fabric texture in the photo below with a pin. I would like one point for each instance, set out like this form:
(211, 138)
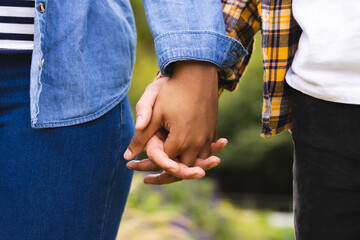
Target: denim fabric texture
(326, 169)
(59, 183)
(84, 51)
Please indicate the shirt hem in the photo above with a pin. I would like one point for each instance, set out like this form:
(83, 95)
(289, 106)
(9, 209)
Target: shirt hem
(292, 83)
(268, 134)
(83, 119)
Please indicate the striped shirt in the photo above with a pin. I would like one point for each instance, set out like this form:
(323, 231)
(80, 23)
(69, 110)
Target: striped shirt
(280, 37)
(16, 25)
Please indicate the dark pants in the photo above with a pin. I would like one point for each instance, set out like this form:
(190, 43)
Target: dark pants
(326, 169)
(59, 183)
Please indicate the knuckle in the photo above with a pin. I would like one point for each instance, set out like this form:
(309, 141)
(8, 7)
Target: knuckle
(150, 155)
(181, 146)
(157, 180)
(136, 141)
(182, 142)
(199, 142)
(139, 106)
(149, 87)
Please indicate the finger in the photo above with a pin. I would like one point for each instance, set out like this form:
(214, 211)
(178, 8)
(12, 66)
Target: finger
(171, 145)
(219, 145)
(187, 169)
(159, 179)
(166, 178)
(205, 151)
(208, 163)
(162, 178)
(144, 106)
(159, 157)
(185, 173)
(156, 153)
(143, 165)
(188, 157)
(140, 138)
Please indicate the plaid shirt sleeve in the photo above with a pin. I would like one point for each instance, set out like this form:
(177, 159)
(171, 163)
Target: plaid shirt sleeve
(242, 21)
(280, 36)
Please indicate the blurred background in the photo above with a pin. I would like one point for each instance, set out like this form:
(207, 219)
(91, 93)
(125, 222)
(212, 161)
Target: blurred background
(248, 196)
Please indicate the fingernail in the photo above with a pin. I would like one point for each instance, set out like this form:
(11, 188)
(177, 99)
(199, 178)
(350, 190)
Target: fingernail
(195, 176)
(130, 164)
(127, 154)
(139, 121)
(198, 175)
(213, 165)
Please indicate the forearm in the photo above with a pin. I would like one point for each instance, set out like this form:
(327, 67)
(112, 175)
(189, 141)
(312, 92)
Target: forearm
(190, 30)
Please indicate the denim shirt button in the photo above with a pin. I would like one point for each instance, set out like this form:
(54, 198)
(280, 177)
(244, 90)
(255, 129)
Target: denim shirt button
(234, 53)
(41, 7)
(42, 62)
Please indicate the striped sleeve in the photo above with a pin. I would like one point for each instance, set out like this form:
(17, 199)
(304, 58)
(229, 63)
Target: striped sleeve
(16, 25)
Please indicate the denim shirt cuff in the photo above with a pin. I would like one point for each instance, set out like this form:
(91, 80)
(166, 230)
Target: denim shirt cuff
(207, 46)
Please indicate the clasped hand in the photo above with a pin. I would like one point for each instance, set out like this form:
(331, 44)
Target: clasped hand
(177, 120)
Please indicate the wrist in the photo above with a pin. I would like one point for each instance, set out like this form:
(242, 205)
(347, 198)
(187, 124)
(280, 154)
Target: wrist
(196, 72)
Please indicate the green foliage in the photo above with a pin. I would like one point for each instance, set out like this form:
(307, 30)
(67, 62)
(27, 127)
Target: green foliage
(192, 210)
(143, 31)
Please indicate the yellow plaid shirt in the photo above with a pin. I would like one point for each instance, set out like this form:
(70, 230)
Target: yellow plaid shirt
(280, 36)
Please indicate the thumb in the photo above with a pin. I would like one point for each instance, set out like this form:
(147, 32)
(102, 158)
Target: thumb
(144, 106)
(140, 138)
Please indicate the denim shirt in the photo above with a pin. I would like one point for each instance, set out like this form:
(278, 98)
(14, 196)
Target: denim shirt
(84, 51)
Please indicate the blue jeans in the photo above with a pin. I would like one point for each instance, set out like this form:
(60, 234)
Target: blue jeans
(59, 183)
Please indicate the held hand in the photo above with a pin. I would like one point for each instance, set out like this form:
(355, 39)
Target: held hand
(144, 106)
(186, 106)
(158, 160)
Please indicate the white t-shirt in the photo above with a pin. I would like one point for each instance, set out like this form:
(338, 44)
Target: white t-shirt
(327, 62)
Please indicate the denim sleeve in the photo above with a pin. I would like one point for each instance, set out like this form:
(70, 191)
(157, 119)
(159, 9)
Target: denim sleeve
(190, 30)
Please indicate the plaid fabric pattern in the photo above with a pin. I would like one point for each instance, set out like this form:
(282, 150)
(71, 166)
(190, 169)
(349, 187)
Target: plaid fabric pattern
(280, 36)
